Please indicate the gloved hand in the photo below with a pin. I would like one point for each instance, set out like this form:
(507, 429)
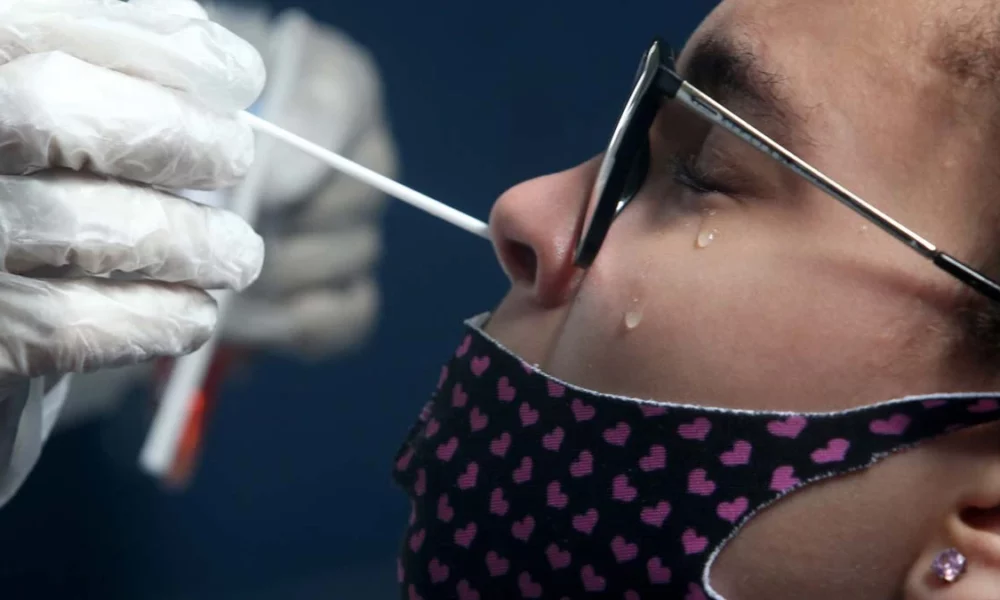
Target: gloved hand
(103, 105)
(317, 294)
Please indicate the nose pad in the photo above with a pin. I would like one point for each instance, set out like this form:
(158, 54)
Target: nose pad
(635, 178)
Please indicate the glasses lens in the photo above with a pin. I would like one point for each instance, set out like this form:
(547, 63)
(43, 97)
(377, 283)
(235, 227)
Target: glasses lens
(635, 178)
(618, 175)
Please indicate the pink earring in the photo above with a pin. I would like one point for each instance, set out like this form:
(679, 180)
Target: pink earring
(949, 565)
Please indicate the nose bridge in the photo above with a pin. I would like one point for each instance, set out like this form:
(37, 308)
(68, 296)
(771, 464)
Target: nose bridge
(534, 229)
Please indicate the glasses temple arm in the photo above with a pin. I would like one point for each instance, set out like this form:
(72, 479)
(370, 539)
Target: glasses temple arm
(709, 109)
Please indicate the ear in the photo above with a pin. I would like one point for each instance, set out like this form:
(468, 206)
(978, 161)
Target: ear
(972, 527)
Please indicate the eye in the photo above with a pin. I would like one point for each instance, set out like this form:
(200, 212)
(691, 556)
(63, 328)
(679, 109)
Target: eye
(687, 173)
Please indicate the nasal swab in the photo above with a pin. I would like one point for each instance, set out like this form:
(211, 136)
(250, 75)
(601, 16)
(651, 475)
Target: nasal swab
(381, 182)
(160, 448)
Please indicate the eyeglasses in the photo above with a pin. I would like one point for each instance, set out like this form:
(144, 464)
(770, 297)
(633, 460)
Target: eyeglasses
(626, 163)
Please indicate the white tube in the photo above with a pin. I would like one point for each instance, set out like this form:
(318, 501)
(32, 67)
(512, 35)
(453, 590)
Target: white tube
(159, 451)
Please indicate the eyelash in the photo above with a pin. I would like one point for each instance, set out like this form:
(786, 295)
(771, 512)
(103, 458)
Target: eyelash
(687, 173)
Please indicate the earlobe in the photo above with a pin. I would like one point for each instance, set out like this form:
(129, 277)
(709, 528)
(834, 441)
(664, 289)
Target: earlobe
(963, 563)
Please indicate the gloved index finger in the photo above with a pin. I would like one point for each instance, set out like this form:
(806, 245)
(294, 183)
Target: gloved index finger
(195, 56)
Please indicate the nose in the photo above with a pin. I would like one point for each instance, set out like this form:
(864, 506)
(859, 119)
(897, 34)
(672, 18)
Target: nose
(534, 230)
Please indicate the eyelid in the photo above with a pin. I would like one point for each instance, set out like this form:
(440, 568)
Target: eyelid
(686, 172)
(735, 166)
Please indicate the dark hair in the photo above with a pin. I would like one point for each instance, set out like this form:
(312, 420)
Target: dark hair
(966, 47)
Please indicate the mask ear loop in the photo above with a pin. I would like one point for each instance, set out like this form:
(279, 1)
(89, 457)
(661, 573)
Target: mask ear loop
(160, 449)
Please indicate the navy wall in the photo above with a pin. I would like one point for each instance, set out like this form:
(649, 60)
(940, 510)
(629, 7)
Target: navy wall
(294, 499)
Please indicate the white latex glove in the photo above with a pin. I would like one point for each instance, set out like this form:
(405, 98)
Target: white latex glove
(102, 105)
(317, 294)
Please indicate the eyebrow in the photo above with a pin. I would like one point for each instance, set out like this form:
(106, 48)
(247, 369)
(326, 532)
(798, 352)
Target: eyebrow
(733, 75)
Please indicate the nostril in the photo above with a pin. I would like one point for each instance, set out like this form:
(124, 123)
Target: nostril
(523, 262)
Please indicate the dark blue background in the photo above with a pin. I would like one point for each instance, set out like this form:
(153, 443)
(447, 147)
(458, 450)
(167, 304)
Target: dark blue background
(294, 499)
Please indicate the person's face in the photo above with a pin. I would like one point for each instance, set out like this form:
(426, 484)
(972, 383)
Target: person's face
(769, 294)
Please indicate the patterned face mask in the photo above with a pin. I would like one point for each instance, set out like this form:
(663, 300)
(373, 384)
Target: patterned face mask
(524, 486)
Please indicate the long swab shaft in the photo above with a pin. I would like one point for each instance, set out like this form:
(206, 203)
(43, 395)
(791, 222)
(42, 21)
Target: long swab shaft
(376, 180)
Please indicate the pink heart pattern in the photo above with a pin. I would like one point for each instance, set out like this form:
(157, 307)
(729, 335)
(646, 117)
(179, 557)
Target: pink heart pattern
(477, 420)
(693, 543)
(658, 574)
(787, 428)
(500, 445)
(447, 450)
(654, 516)
(833, 452)
(466, 591)
(695, 430)
(529, 416)
(699, 484)
(479, 365)
(458, 397)
(553, 440)
(984, 406)
(558, 558)
(894, 425)
(784, 479)
(617, 435)
(655, 460)
(498, 504)
(582, 466)
(496, 564)
(556, 498)
(529, 589)
(505, 391)
(464, 536)
(732, 511)
(623, 550)
(582, 412)
(467, 480)
(522, 474)
(522, 486)
(445, 512)
(739, 455)
(586, 522)
(438, 572)
(592, 582)
(695, 593)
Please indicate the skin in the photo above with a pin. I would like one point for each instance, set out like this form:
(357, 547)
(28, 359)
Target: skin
(797, 304)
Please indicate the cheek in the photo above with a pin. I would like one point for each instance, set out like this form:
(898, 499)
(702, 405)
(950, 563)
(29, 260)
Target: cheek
(816, 542)
(754, 320)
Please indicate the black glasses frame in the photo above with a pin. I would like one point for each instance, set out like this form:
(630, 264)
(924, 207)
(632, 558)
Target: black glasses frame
(625, 164)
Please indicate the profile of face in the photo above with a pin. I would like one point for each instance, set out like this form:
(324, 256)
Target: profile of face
(730, 282)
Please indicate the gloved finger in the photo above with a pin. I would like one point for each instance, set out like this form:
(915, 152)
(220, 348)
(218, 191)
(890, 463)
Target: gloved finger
(250, 20)
(313, 324)
(194, 56)
(346, 200)
(59, 111)
(185, 8)
(59, 326)
(318, 259)
(63, 219)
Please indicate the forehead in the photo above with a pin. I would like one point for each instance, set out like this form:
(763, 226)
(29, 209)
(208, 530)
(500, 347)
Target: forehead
(889, 50)
(818, 46)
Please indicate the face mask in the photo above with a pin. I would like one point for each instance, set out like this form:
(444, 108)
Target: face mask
(524, 486)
